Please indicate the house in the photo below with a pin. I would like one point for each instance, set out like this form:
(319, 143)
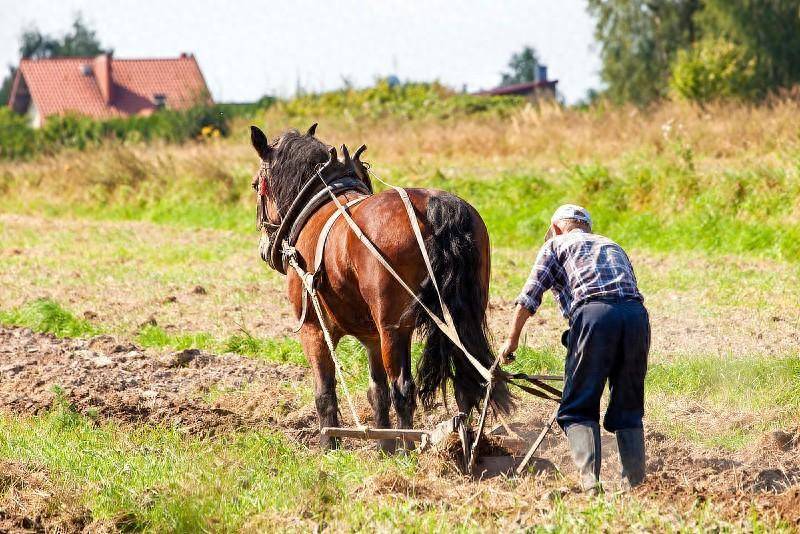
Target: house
(541, 88)
(103, 87)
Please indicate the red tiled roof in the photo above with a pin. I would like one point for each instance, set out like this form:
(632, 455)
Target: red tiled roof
(60, 85)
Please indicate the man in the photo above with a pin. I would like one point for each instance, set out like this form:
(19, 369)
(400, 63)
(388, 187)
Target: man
(608, 339)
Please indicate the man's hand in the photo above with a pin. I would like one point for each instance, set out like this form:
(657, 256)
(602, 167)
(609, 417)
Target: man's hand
(507, 351)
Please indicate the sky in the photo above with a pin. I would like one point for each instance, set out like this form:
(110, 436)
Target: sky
(248, 48)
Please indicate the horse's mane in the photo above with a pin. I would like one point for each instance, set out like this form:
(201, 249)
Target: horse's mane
(293, 160)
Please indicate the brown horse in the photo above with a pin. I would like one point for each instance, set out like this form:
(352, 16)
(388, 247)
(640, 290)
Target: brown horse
(360, 298)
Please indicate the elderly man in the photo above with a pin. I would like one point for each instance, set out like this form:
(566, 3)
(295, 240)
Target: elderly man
(608, 340)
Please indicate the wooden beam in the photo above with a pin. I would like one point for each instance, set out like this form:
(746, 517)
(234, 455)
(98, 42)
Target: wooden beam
(375, 433)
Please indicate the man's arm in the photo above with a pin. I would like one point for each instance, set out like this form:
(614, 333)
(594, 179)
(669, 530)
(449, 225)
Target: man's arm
(540, 280)
(521, 315)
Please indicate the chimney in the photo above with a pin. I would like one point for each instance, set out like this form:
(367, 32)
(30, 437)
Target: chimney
(102, 72)
(541, 73)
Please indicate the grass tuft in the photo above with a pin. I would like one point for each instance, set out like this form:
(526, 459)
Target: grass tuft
(48, 316)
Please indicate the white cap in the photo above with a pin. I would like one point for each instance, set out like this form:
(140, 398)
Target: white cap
(571, 211)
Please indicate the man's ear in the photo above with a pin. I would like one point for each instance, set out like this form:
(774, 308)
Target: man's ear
(556, 229)
(260, 142)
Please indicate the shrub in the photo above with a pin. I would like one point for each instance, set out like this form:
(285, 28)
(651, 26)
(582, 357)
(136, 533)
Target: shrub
(405, 100)
(18, 139)
(713, 69)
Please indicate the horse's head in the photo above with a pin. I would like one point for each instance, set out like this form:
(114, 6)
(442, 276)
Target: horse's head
(286, 166)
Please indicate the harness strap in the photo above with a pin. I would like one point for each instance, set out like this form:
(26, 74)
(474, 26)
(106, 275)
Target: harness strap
(326, 230)
(308, 285)
(318, 258)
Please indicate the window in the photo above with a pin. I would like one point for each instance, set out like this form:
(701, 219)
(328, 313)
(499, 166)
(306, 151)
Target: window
(160, 100)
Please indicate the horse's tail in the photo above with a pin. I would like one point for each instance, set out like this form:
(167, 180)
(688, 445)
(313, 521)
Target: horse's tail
(455, 252)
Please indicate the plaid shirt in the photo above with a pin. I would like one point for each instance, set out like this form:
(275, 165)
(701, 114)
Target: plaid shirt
(577, 266)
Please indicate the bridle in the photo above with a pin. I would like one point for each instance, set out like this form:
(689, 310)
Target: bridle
(261, 186)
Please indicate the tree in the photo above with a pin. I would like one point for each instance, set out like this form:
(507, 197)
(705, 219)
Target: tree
(768, 29)
(638, 41)
(643, 41)
(81, 41)
(523, 67)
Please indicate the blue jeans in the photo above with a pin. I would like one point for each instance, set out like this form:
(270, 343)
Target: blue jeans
(608, 340)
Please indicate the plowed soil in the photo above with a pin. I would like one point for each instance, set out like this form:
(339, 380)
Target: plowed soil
(204, 394)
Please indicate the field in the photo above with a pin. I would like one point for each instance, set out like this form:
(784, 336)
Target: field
(149, 379)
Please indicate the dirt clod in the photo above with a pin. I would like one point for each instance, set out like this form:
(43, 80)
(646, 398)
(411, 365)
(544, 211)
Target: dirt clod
(29, 502)
(199, 290)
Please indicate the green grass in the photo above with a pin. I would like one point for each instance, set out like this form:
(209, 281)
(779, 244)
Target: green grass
(655, 202)
(47, 316)
(755, 383)
(271, 350)
(160, 480)
(157, 479)
(641, 206)
(736, 399)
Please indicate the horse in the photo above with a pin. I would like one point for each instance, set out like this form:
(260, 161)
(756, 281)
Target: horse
(361, 299)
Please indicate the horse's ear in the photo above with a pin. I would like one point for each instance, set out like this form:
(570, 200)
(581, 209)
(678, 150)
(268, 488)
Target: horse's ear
(311, 130)
(260, 143)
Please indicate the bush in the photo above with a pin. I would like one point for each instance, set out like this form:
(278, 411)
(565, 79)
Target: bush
(405, 100)
(18, 139)
(713, 69)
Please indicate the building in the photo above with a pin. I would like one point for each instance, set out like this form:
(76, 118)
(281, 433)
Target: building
(541, 88)
(104, 87)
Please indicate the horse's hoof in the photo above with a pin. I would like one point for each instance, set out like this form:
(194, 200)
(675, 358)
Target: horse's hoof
(387, 446)
(327, 443)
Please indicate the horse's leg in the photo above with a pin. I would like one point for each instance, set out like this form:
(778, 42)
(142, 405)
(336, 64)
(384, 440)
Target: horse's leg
(396, 355)
(378, 392)
(319, 357)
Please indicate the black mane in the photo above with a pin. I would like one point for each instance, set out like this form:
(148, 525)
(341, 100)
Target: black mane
(293, 160)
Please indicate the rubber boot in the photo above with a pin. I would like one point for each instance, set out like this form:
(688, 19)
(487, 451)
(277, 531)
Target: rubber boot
(584, 440)
(630, 443)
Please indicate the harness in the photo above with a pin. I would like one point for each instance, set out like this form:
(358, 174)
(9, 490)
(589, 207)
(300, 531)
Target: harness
(335, 178)
(277, 246)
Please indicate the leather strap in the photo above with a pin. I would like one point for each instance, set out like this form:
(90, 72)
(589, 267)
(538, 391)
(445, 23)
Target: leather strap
(326, 230)
(319, 253)
(309, 200)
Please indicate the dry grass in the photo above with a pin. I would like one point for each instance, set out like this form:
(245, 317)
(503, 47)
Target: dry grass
(546, 137)
(549, 135)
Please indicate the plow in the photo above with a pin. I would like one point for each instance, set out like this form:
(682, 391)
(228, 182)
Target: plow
(459, 428)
